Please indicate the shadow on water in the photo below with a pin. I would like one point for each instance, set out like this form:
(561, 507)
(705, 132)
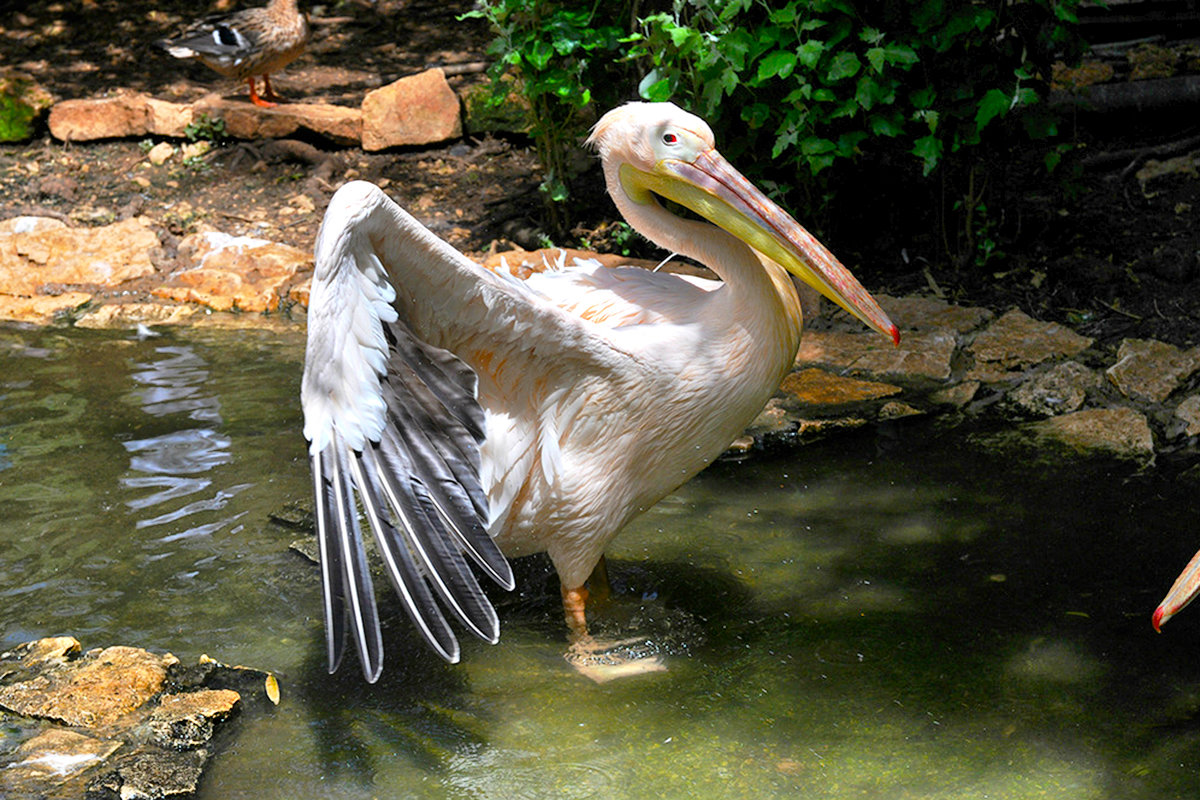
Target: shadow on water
(909, 612)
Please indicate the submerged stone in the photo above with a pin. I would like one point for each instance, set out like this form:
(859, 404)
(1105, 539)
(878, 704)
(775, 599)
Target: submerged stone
(1119, 431)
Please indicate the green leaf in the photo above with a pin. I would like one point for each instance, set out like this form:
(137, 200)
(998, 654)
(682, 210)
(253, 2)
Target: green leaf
(929, 150)
(810, 52)
(654, 87)
(778, 64)
(995, 103)
(877, 57)
(844, 65)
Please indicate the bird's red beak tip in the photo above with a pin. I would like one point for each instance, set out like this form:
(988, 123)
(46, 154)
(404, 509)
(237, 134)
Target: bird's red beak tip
(1156, 619)
(895, 332)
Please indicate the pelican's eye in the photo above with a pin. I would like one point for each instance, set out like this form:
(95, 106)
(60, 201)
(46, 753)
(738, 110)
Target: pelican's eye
(670, 138)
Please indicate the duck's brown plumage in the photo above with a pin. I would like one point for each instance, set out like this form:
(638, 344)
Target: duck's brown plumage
(256, 41)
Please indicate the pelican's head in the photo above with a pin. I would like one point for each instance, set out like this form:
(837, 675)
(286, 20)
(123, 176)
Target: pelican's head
(653, 149)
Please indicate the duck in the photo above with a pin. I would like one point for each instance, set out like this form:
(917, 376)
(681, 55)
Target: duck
(243, 44)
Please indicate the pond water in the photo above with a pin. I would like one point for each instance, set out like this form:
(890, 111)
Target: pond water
(901, 613)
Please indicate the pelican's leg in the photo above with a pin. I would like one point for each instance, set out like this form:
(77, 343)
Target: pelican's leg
(600, 660)
(600, 590)
(574, 609)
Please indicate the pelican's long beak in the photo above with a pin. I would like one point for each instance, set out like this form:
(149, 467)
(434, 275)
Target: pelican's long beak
(711, 187)
(1182, 592)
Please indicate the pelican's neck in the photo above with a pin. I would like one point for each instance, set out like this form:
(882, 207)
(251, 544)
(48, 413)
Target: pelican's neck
(760, 296)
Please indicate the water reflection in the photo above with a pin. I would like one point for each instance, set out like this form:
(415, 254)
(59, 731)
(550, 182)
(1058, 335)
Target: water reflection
(170, 461)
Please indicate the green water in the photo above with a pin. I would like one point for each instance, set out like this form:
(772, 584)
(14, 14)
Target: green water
(897, 614)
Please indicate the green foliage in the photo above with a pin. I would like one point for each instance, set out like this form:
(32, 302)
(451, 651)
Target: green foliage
(206, 128)
(562, 57)
(16, 119)
(831, 89)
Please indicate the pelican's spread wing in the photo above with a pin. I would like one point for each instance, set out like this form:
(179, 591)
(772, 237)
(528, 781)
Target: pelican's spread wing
(392, 416)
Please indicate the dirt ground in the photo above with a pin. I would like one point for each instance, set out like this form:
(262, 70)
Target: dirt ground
(1115, 257)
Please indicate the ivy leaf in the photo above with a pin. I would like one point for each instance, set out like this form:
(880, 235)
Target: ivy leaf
(844, 65)
(655, 87)
(929, 150)
(995, 103)
(778, 64)
(810, 52)
(877, 57)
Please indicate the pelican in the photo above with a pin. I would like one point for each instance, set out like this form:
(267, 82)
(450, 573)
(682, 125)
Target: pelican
(1182, 592)
(467, 415)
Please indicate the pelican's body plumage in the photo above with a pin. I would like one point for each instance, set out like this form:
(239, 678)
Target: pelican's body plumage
(471, 410)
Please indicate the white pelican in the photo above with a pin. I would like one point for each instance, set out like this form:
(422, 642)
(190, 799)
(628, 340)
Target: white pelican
(471, 412)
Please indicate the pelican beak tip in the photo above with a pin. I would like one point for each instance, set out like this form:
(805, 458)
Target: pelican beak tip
(1157, 619)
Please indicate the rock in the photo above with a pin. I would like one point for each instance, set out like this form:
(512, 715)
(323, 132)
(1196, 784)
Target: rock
(928, 313)
(36, 252)
(419, 109)
(921, 355)
(1119, 431)
(159, 154)
(894, 409)
(1060, 390)
(40, 310)
(1151, 370)
(52, 759)
(91, 691)
(133, 114)
(233, 272)
(1188, 413)
(1016, 341)
(121, 115)
(958, 395)
(185, 721)
(244, 120)
(138, 742)
(22, 100)
(814, 387)
(130, 315)
(149, 774)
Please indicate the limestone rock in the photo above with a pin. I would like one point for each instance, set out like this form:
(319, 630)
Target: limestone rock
(1119, 431)
(40, 310)
(1017, 341)
(419, 109)
(928, 313)
(814, 387)
(1150, 370)
(130, 315)
(185, 721)
(92, 691)
(1188, 413)
(957, 395)
(247, 121)
(920, 355)
(53, 758)
(123, 114)
(1060, 390)
(160, 153)
(133, 114)
(146, 773)
(35, 252)
(228, 272)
